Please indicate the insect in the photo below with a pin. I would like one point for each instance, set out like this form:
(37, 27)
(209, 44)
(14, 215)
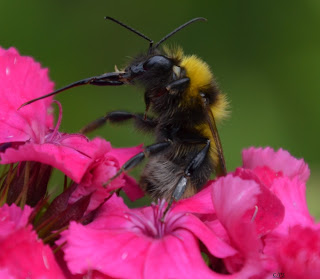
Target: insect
(183, 103)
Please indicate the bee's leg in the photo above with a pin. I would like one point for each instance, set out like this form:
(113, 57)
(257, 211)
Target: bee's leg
(178, 85)
(137, 159)
(188, 172)
(107, 79)
(119, 117)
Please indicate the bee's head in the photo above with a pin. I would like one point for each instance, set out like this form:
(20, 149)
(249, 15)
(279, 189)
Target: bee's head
(158, 64)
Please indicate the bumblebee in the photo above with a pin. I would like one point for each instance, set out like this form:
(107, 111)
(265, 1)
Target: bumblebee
(183, 103)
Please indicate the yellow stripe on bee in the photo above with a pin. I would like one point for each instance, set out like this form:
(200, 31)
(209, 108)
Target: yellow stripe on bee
(198, 72)
(220, 108)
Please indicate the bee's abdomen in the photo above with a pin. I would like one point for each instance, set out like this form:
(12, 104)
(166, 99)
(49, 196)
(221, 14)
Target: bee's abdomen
(160, 177)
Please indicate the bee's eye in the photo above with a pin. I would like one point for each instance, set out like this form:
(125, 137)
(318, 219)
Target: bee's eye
(158, 63)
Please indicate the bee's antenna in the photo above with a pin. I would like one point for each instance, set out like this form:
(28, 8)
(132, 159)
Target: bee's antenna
(178, 29)
(131, 29)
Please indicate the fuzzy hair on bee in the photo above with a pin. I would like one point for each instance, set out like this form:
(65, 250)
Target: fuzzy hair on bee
(183, 103)
(184, 111)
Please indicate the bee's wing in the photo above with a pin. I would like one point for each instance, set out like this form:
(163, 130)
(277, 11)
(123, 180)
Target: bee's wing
(221, 168)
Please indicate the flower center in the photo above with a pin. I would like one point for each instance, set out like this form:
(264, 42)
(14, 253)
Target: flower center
(151, 223)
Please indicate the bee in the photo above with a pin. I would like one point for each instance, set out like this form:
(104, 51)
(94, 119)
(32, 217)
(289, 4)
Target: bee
(183, 103)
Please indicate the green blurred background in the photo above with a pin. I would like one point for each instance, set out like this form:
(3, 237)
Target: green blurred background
(265, 55)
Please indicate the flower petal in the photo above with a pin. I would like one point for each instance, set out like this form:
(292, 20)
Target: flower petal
(232, 198)
(214, 244)
(280, 160)
(269, 210)
(22, 79)
(292, 193)
(13, 218)
(105, 164)
(124, 154)
(200, 203)
(71, 162)
(27, 257)
(116, 254)
(106, 251)
(22, 254)
(5, 273)
(299, 253)
(114, 239)
(132, 188)
(179, 259)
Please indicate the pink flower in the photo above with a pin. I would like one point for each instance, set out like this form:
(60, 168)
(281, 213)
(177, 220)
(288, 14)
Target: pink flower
(106, 161)
(280, 162)
(252, 213)
(135, 243)
(21, 80)
(27, 134)
(247, 210)
(199, 204)
(22, 254)
(299, 253)
(286, 177)
(13, 219)
(5, 273)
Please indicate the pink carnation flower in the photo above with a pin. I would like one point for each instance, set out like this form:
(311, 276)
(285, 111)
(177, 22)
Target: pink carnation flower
(299, 253)
(248, 224)
(27, 134)
(135, 243)
(247, 210)
(22, 254)
(286, 176)
(106, 161)
(21, 80)
(278, 161)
